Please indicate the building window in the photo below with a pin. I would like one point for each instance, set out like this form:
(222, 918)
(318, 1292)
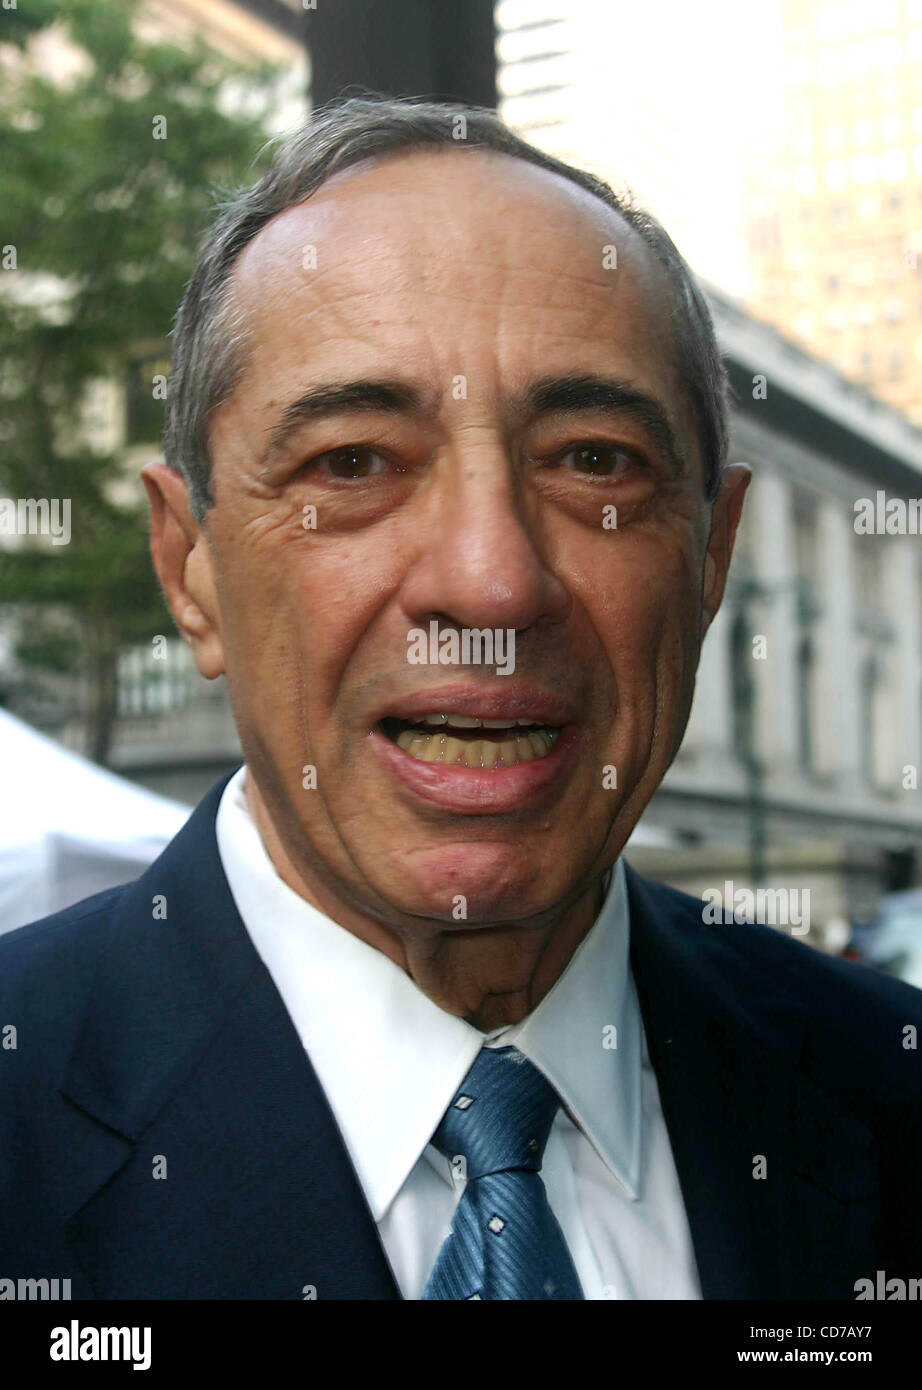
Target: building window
(148, 684)
(893, 165)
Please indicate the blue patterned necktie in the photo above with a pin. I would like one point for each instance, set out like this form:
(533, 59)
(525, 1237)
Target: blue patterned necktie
(505, 1242)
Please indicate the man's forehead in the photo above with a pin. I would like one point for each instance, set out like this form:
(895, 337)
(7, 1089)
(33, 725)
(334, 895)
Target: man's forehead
(443, 262)
(425, 214)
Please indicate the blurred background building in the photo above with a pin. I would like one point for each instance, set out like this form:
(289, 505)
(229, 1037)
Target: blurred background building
(782, 148)
(834, 223)
(246, 29)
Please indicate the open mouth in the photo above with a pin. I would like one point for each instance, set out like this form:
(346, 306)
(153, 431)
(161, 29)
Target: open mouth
(466, 741)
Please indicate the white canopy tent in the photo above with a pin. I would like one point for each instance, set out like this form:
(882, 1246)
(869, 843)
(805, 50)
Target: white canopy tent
(69, 828)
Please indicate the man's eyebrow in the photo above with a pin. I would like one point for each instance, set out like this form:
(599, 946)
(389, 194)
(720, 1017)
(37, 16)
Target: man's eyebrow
(569, 394)
(549, 395)
(340, 398)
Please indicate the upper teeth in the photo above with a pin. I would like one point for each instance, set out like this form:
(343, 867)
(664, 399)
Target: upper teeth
(464, 721)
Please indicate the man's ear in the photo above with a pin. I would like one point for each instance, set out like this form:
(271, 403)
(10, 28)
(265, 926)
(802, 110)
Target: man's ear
(185, 566)
(725, 518)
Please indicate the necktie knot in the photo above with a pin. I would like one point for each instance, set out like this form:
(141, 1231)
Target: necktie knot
(505, 1241)
(501, 1116)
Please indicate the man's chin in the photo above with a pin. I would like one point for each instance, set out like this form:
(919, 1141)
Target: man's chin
(484, 884)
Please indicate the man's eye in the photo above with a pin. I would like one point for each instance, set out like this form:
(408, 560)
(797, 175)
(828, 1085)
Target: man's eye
(350, 463)
(600, 460)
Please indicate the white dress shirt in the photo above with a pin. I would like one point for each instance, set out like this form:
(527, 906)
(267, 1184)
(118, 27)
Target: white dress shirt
(390, 1061)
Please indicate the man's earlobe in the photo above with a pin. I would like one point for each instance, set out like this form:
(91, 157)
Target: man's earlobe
(725, 518)
(185, 566)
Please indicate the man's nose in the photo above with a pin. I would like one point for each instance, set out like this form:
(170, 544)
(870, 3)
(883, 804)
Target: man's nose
(482, 563)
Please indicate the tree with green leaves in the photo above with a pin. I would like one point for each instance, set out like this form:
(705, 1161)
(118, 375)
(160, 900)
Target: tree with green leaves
(110, 171)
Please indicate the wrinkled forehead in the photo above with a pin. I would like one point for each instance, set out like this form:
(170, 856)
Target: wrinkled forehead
(468, 245)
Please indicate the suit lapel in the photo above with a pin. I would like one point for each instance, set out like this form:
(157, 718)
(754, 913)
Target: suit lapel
(217, 1168)
(729, 1051)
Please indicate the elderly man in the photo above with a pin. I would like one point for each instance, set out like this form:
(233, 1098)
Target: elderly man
(446, 502)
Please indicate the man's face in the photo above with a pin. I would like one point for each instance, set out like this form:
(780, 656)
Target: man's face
(457, 327)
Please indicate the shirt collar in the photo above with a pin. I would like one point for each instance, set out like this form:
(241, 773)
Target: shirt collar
(390, 1060)
(585, 1036)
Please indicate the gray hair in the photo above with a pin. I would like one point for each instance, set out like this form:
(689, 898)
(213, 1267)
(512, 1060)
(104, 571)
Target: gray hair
(210, 332)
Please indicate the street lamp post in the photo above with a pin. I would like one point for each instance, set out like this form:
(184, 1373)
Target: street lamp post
(746, 592)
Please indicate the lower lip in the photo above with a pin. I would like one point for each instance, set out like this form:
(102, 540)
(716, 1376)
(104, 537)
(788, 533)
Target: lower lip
(474, 790)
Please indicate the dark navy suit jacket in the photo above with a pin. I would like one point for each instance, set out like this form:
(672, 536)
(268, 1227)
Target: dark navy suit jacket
(140, 1036)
